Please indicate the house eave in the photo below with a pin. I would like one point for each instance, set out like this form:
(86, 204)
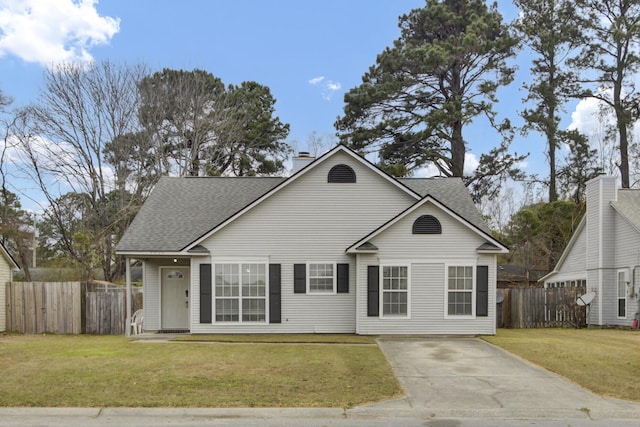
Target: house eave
(546, 276)
(159, 254)
(492, 251)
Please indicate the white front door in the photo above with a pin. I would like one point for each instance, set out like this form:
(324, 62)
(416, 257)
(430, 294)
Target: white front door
(175, 297)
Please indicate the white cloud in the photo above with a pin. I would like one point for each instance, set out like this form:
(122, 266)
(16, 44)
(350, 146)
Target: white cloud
(50, 31)
(329, 87)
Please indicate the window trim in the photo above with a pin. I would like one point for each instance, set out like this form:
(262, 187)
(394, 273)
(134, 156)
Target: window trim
(461, 263)
(624, 297)
(381, 290)
(334, 278)
(240, 297)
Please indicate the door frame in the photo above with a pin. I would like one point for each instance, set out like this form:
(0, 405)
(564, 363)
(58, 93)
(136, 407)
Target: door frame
(160, 275)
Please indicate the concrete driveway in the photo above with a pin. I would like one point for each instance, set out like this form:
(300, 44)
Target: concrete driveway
(468, 377)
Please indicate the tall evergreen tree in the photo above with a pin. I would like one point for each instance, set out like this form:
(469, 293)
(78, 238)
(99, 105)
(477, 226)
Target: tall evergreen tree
(442, 73)
(550, 29)
(613, 53)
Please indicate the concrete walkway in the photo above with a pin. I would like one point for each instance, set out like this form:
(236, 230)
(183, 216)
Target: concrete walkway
(470, 378)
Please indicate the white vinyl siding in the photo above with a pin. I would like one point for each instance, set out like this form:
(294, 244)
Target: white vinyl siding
(428, 256)
(427, 304)
(309, 221)
(575, 262)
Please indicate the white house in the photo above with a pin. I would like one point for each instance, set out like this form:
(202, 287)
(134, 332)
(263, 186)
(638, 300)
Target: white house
(7, 265)
(604, 253)
(338, 247)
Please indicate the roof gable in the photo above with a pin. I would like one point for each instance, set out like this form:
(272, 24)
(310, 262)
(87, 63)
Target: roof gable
(13, 264)
(628, 206)
(316, 163)
(574, 238)
(499, 247)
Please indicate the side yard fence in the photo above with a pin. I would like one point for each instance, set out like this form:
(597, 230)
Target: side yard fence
(541, 308)
(68, 307)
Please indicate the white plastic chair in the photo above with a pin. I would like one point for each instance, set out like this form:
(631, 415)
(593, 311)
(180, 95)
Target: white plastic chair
(137, 322)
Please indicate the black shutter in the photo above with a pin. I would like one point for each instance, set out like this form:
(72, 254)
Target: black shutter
(274, 293)
(373, 290)
(300, 278)
(343, 278)
(205, 293)
(482, 291)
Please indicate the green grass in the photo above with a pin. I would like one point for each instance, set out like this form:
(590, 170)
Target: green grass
(282, 338)
(606, 361)
(100, 371)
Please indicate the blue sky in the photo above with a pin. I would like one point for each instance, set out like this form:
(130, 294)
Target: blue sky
(308, 53)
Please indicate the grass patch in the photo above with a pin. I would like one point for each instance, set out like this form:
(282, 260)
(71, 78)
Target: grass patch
(281, 338)
(111, 371)
(605, 361)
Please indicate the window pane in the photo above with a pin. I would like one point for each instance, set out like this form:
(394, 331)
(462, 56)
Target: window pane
(395, 278)
(253, 280)
(394, 303)
(253, 310)
(227, 310)
(227, 280)
(622, 307)
(320, 277)
(459, 303)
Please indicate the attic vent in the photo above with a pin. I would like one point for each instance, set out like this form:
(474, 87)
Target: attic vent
(342, 174)
(427, 224)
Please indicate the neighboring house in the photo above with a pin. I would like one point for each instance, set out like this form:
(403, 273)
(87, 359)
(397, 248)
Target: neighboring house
(604, 253)
(7, 265)
(338, 247)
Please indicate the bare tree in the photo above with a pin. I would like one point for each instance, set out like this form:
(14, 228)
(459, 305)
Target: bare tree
(16, 229)
(79, 112)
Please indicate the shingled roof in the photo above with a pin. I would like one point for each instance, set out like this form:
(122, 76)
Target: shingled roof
(452, 193)
(181, 210)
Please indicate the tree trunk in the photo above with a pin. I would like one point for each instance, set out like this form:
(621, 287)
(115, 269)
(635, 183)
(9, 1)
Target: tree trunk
(457, 151)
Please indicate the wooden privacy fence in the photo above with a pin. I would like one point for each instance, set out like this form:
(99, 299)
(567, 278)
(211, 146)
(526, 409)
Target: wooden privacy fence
(541, 308)
(68, 307)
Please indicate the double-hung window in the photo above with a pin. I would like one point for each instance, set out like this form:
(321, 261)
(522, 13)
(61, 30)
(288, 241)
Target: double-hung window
(395, 291)
(240, 292)
(322, 278)
(459, 290)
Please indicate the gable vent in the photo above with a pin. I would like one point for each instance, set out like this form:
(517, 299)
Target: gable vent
(342, 174)
(427, 224)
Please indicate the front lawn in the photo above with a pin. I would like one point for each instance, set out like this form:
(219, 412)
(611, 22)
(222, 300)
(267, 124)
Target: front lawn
(606, 361)
(99, 371)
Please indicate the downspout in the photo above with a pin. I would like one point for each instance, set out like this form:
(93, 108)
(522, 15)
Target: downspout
(636, 292)
(357, 290)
